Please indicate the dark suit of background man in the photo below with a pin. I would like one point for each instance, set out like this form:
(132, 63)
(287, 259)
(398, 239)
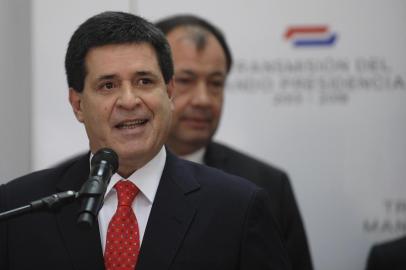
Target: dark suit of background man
(119, 71)
(388, 256)
(202, 62)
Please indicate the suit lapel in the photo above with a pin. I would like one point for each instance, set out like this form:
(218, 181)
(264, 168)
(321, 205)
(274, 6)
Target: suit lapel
(170, 218)
(83, 245)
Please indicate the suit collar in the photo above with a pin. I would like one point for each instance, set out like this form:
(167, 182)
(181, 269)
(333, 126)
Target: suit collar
(171, 215)
(76, 172)
(180, 174)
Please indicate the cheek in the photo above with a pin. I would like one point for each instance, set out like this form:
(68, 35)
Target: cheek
(217, 105)
(105, 112)
(180, 103)
(158, 104)
(98, 113)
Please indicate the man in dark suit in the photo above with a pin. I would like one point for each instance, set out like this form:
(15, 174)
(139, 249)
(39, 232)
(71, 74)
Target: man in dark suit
(388, 256)
(184, 215)
(202, 61)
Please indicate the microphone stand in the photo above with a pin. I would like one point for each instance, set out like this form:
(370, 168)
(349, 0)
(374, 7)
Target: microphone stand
(49, 202)
(103, 165)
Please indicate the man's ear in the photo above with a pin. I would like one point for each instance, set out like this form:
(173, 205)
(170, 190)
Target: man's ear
(171, 92)
(75, 99)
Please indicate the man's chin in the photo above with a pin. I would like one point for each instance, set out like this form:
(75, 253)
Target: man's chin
(130, 153)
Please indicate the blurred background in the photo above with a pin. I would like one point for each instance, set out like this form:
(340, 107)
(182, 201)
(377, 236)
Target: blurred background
(318, 88)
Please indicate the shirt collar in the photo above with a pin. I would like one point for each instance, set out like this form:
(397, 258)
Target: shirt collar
(197, 156)
(146, 178)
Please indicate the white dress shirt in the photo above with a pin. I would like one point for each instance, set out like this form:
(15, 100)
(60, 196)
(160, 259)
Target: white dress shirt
(147, 180)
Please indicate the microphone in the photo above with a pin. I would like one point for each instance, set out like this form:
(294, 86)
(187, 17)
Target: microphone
(102, 166)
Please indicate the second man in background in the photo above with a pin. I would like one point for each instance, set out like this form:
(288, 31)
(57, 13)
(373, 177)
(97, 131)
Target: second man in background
(202, 61)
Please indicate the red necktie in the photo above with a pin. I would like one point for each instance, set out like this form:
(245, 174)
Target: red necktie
(123, 241)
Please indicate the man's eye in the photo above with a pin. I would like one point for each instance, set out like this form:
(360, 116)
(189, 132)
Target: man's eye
(145, 81)
(107, 86)
(217, 83)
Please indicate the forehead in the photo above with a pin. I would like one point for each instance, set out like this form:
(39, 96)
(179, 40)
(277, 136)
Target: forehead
(121, 58)
(187, 46)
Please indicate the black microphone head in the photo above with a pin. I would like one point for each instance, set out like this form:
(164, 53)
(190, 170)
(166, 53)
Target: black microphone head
(107, 155)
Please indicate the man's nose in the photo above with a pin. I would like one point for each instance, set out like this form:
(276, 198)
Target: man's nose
(128, 98)
(201, 96)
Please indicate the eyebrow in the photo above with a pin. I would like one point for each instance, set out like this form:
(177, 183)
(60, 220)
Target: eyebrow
(145, 73)
(137, 73)
(106, 77)
(192, 73)
(218, 73)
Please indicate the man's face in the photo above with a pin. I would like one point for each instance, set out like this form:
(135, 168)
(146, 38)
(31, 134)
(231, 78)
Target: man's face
(200, 75)
(125, 103)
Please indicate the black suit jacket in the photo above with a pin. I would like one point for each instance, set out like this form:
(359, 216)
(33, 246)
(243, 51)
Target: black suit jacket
(201, 218)
(388, 256)
(282, 203)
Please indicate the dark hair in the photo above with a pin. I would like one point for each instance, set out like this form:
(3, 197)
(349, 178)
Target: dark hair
(113, 28)
(168, 24)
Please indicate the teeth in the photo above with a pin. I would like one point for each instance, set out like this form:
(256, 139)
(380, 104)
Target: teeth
(132, 124)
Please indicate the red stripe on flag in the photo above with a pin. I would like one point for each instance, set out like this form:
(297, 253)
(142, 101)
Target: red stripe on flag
(305, 29)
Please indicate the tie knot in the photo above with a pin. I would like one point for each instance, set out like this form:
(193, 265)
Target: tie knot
(126, 192)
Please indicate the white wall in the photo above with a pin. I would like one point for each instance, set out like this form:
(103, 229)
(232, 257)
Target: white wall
(15, 79)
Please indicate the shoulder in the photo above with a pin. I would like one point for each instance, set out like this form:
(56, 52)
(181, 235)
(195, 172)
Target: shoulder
(212, 181)
(388, 254)
(391, 247)
(242, 164)
(42, 176)
(36, 184)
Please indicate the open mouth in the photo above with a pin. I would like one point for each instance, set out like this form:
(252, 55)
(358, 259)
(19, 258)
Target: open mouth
(131, 124)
